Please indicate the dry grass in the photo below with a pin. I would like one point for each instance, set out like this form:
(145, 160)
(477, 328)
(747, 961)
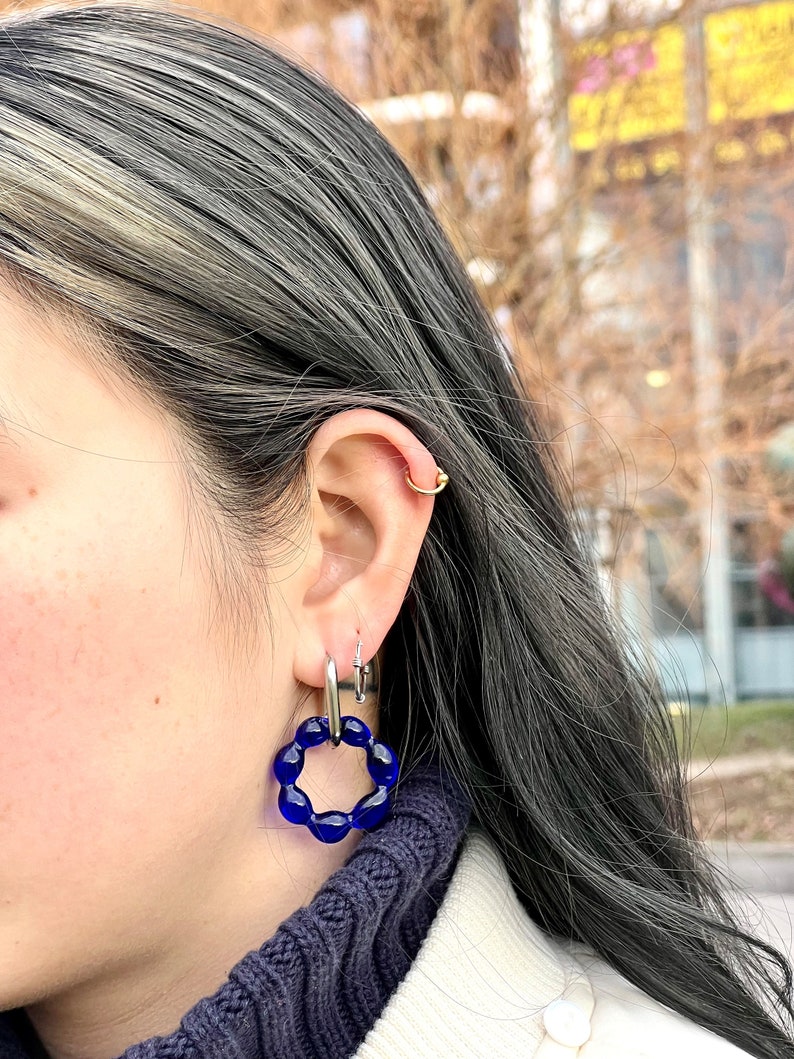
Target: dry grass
(754, 808)
(758, 804)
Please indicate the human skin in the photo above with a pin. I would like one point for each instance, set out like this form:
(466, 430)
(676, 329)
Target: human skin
(141, 850)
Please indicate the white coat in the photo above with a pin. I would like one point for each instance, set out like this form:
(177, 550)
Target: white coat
(487, 982)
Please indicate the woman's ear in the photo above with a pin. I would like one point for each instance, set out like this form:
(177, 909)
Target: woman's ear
(367, 526)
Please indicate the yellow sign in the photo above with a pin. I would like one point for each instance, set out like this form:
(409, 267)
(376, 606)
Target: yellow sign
(630, 87)
(750, 61)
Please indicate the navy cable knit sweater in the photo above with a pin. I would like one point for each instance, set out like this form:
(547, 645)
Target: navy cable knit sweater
(316, 987)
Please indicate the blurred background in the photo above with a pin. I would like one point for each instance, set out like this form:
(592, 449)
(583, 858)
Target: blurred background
(619, 179)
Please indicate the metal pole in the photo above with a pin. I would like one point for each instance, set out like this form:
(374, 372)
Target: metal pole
(550, 176)
(551, 180)
(707, 366)
(550, 197)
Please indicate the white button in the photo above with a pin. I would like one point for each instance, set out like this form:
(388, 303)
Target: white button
(566, 1023)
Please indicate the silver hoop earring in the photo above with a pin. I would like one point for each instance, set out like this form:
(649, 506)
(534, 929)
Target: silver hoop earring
(331, 696)
(361, 675)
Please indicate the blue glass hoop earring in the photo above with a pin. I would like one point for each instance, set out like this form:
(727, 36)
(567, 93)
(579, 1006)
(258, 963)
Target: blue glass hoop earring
(369, 811)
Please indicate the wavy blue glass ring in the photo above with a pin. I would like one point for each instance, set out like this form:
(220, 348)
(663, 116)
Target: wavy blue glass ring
(295, 804)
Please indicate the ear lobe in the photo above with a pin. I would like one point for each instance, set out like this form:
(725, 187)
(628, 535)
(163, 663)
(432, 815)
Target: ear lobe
(367, 529)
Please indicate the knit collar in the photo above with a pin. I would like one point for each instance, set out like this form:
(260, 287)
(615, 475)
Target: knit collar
(320, 982)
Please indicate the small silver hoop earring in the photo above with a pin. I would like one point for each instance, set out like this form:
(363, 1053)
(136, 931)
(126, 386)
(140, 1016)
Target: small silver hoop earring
(361, 675)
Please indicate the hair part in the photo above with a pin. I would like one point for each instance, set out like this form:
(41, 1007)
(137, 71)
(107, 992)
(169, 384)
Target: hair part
(252, 253)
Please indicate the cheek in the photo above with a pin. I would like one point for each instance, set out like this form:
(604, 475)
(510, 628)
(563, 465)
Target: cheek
(105, 673)
(127, 754)
(114, 748)
(77, 682)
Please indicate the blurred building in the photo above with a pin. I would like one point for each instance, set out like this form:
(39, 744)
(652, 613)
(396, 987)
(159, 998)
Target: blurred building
(631, 134)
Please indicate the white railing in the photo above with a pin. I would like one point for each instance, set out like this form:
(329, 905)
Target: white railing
(764, 663)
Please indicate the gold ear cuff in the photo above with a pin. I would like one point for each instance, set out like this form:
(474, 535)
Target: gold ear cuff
(441, 481)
